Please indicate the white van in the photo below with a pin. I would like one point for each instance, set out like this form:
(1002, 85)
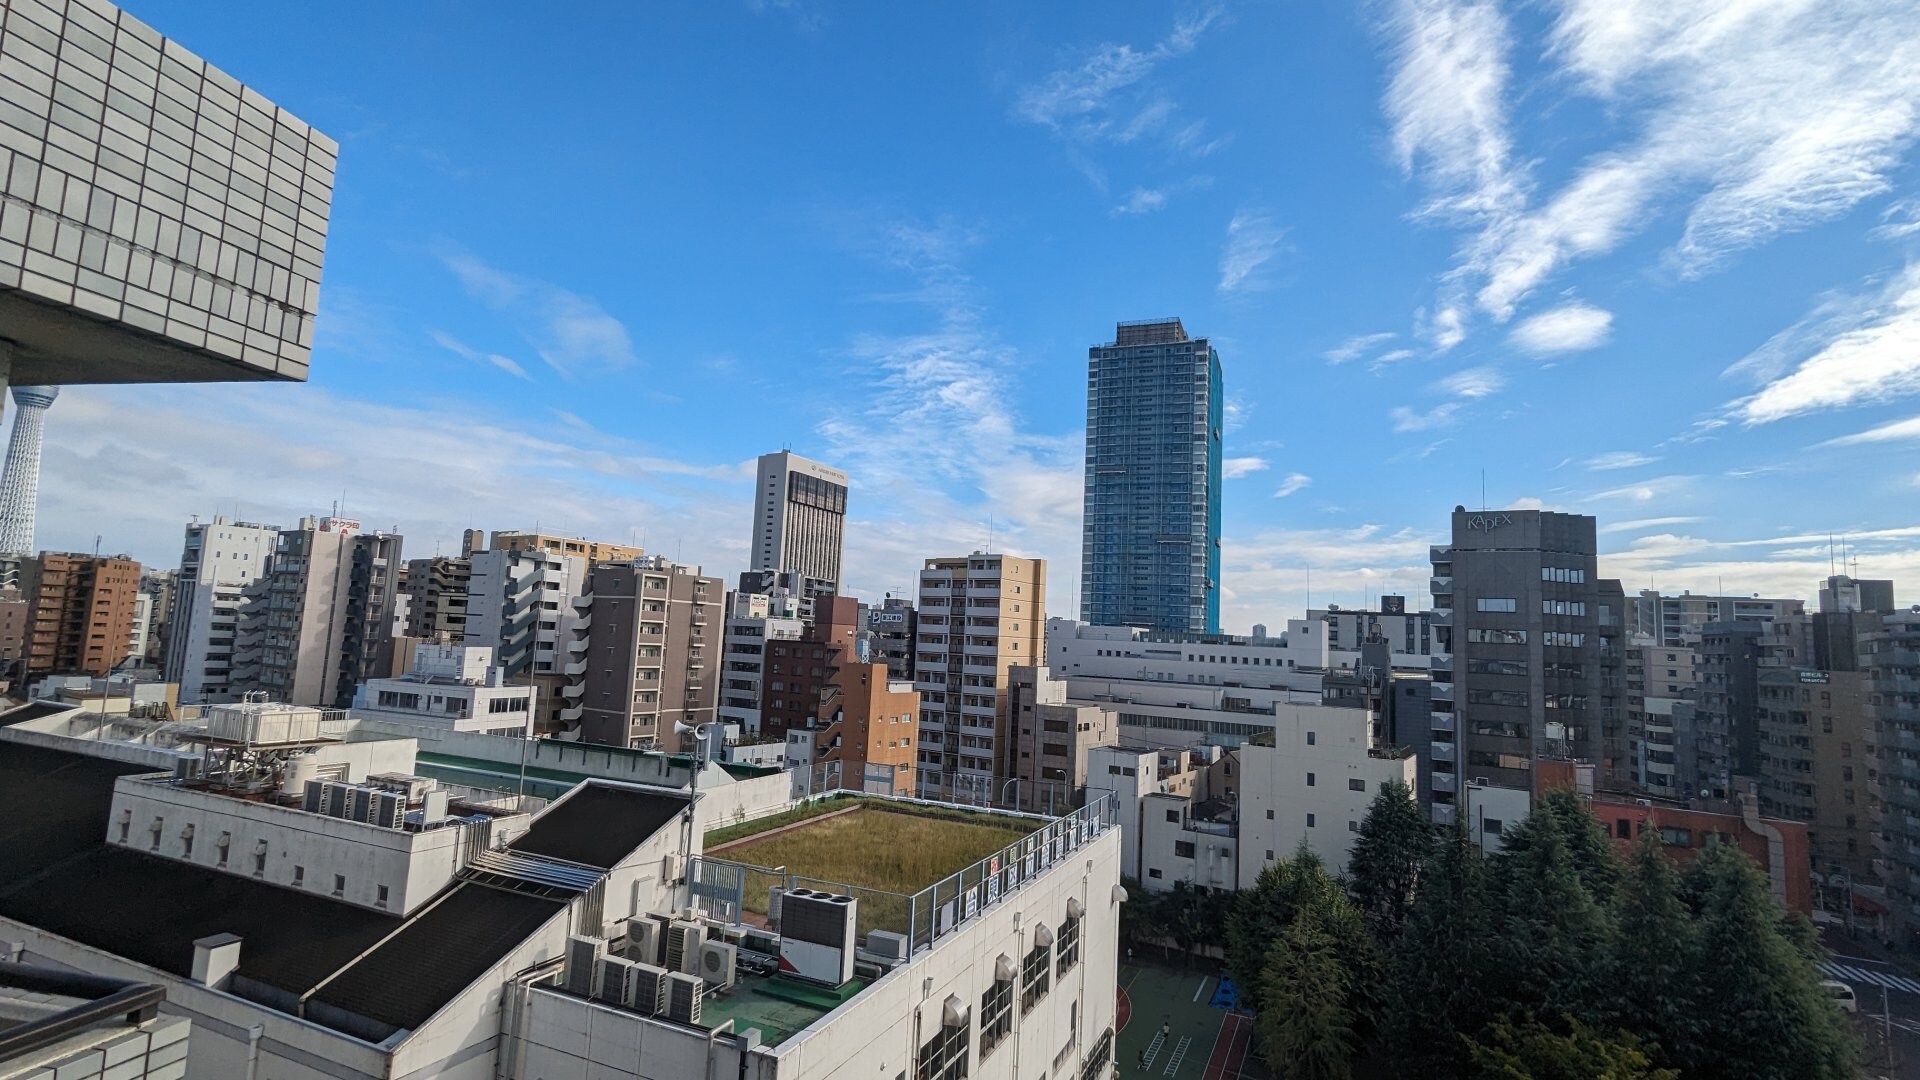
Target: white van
(1842, 995)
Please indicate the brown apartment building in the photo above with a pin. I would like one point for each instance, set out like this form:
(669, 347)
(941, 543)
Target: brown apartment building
(1818, 764)
(848, 722)
(594, 551)
(644, 653)
(980, 615)
(81, 612)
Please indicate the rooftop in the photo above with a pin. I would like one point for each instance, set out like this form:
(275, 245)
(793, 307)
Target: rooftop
(835, 840)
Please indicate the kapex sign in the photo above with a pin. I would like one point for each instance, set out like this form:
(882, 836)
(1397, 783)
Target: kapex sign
(1488, 522)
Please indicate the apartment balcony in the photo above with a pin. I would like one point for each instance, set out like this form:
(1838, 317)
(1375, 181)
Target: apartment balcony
(1445, 781)
(1442, 691)
(1443, 751)
(577, 645)
(572, 713)
(1440, 662)
(1441, 586)
(577, 668)
(573, 690)
(1439, 553)
(1442, 616)
(1443, 814)
(1443, 721)
(991, 652)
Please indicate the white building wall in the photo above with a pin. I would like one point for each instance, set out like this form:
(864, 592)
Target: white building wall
(1314, 785)
(221, 558)
(1165, 827)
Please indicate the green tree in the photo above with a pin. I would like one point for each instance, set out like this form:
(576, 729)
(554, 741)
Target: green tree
(1439, 969)
(1262, 913)
(1184, 918)
(1657, 956)
(1395, 841)
(1308, 1026)
(1760, 1000)
(1563, 813)
(1532, 1051)
(1556, 937)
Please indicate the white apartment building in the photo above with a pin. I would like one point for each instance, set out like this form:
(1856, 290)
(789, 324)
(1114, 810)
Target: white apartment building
(753, 619)
(1408, 635)
(520, 605)
(1677, 621)
(979, 616)
(452, 686)
(220, 560)
(1216, 818)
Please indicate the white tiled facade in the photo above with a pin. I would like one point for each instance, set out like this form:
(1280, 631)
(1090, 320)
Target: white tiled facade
(149, 189)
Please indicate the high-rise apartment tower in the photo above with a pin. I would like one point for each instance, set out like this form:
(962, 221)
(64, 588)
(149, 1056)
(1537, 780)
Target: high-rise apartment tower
(1150, 550)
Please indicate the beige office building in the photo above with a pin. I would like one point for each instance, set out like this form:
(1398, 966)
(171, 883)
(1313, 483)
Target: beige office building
(591, 550)
(980, 615)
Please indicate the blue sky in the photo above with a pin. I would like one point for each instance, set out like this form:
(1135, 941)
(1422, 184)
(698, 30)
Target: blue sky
(1646, 260)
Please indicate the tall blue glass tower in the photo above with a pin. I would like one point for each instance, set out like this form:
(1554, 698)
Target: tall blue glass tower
(1150, 553)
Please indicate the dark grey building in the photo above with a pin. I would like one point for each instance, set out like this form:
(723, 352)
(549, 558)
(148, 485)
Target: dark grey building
(888, 633)
(1522, 608)
(1150, 546)
(1892, 663)
(648, 647)
(1729, 736)
(436, 591)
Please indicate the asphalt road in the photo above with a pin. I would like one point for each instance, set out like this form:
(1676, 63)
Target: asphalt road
(1888, 992)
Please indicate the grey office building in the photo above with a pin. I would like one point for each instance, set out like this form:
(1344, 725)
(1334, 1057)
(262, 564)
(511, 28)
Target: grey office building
(1524, 613)
(1150, 550)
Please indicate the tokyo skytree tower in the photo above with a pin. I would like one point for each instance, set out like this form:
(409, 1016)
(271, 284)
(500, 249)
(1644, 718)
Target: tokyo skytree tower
(20, 484)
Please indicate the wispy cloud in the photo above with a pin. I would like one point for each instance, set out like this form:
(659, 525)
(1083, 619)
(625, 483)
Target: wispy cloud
(1141, 201)
(1389, 358)
(1355, 347)
(1234, 468)
(1861, 352)
(1648, 490)
(1409, 419)
(458, 348)
(1897, 431)
(569, 331)
(1473, 382)
(1253, 239)
(1293, 483)
(1756, 120)
(1104, 95)
(1619, 459)
(1568, 328)
(1643, 524)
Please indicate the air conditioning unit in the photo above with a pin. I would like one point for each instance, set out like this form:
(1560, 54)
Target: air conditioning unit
(647, 989)
(583, 965)
(683, 997)
(716, 964)
(887, 945)
(683, 945)
(318, 797)
(337, 799)
(362, 806)
(389, 809)
(614, 973)
(642, 940)
(187, 768)
(817, 936)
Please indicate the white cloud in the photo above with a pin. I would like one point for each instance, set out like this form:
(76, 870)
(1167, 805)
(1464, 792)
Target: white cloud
(1234, 468)
(1619, 459)
(1755, 119)
(1897, 431)
(459, 348)
(1274, 574)
(1141, 201)
(1785, 566)
(1355, 347)
(1641, 524)
(1252, 241)
(1474, 382)
(1408, 419)
(1870, 354)
(1097, 98)
(1294, 482)
(1389, 358)
(569, 331)
(1898, 221)
(1568, 328)
(1648, 490)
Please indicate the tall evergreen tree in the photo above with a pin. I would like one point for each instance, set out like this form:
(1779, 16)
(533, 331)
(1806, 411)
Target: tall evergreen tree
(1556, 938)
(1562, 812)
(1759, 1000)
(1533, 1051)
(1657, 956)
(1262, 913)
(1395, 841)
(1439, 969)
(1308, 1026)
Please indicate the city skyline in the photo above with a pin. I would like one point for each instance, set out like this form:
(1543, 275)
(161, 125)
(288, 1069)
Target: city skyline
(1409, 310)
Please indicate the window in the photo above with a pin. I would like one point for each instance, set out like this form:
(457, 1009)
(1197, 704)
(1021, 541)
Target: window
(996, 1015)
(1496, 603)
(1309, 821)
(1356, 785)
(1352, 825)
(1310, 738)
(339, 884)
(1496, 667)
(1036, 973)
(1677, 837)
(1623, 828)
(186, 834)
(1492, 826)
(1066, 950)
(1563, 607)
(225, 841)
(1183, 849)
(1516, 698)
(380, 896)
(299, 876)
(1173, 816)
(1309, 779)
(1483, 636)
(944, 1056)
(1153, 873)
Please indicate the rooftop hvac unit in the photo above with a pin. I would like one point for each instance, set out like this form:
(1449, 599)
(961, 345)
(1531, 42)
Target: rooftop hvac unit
(388, 809)
(683, 997)
(187, 768)
(583, 965)
(887, 945)
(412, 788)
(642, 941)
(317, 796)
(817, 936)
(337, 800)
(362, 807)
(716, 964)
(683, 945)
(647, 989)
(612, 980)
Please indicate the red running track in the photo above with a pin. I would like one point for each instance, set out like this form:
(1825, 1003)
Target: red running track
(1229, 1048)
(1122, 1012)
